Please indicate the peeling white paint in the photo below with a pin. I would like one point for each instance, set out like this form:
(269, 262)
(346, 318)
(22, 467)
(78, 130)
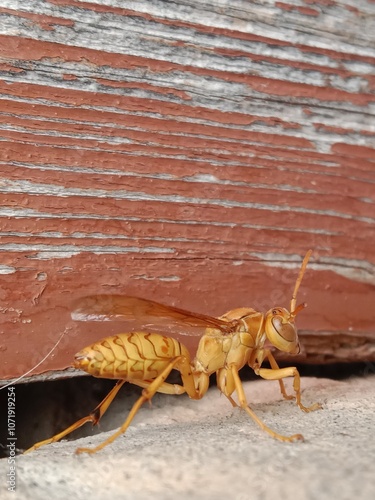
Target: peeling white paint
(352, 269)
(279, 260)
(142, 277)
(152, 278)
(209, 178)
(49, 255)
(7, 269)
(23, 187)
(29, 213)
(47, 252)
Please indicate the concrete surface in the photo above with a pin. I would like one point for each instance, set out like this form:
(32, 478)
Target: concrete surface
(207, 450)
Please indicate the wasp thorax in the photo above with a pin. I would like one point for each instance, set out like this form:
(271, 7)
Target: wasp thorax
(281, 330)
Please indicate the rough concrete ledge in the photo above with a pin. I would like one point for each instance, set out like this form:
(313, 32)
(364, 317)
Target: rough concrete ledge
(208, 450)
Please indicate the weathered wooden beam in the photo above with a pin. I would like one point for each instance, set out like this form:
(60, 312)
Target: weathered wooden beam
(188, 153)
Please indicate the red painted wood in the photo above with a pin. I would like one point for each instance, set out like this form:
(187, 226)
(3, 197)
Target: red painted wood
(188, 156)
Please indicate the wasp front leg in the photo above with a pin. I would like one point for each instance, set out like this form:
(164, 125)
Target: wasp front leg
(275, 366)
(279, 374)
(244, 405)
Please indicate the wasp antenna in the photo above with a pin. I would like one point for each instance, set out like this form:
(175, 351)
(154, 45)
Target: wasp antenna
(298, 282)
(299, 308)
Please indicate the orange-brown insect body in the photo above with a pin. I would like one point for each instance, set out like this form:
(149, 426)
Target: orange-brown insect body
(129, 356)
(241, 336)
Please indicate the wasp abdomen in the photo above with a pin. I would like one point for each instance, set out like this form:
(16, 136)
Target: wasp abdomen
(132, 356)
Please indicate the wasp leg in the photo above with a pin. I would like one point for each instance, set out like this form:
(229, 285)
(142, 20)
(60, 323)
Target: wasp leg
(232, 402)
(280, 373)
(147, 394)
(93, 417)
(275, 366)
(244, 405)
(165, 388)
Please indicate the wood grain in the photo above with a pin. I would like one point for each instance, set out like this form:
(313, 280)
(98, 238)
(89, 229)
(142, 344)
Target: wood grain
(190, 153)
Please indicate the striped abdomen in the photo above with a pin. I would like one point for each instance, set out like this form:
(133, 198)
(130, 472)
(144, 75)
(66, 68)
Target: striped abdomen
(131, 356)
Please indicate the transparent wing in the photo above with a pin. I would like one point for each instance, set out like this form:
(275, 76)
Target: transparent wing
(147, 314)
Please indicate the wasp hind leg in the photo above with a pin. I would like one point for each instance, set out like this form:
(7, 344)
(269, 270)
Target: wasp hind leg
(93, 417)
(150, 388)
